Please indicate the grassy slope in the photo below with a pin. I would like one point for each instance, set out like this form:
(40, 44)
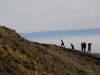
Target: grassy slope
(23, 57)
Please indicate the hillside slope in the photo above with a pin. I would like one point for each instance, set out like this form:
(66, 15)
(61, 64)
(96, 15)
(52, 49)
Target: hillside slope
(19, 56)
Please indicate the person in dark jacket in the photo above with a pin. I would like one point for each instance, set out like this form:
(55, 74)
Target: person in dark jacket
(62, 43)
(72, 46)
(89, 47)
(84, 46)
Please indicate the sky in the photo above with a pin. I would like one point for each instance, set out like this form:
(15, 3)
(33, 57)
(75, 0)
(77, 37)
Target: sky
(49, 15)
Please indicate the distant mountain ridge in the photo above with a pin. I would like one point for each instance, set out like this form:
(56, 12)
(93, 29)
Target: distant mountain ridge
(68, 33)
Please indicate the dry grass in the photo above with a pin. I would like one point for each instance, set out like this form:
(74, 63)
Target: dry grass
(19, 56)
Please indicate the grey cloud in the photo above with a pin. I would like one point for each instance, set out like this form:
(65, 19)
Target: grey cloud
(44, 15)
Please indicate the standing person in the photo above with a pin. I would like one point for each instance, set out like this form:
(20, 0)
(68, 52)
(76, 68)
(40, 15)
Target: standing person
(89, 47)
(62, 43)
(72, 46)
(82, 46)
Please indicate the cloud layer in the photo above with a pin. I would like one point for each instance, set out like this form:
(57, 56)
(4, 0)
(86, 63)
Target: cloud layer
(48, 15)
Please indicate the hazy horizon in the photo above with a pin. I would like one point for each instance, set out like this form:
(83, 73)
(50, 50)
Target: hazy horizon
(76, 39)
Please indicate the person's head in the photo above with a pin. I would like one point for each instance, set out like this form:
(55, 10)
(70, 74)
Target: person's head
(61, 39)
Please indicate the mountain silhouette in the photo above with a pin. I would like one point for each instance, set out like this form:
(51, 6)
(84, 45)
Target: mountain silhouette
(19, 56)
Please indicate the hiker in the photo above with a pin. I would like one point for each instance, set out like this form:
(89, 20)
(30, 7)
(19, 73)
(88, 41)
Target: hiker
(62, 43)
(72, 46)
(89, 47)
(82, 46)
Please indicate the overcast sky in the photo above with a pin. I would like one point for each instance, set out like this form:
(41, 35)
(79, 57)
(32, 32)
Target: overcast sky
(48, 15)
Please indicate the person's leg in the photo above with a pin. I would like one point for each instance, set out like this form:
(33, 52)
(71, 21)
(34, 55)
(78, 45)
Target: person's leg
(61, 45)
(90, 50)
(84, 49)
(64, 45)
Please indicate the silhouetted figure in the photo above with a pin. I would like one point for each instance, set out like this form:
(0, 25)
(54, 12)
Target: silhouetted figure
(62, 43)
(82, 46)
(89, 47)
(72, 46)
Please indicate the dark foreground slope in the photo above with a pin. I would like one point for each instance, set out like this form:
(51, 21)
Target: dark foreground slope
(22, 57)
